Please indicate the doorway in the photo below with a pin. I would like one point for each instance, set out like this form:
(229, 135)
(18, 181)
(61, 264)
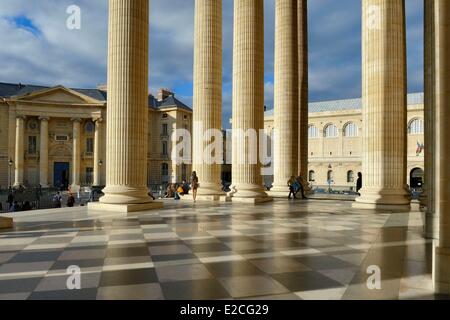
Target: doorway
(416, 178)
(61, 175)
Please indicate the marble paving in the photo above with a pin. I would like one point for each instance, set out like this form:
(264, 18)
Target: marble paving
(282, 250)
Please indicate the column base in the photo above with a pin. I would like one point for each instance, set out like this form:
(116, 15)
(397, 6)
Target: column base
(387, 200)
(441, 270)
(6, 223)
(124, 208)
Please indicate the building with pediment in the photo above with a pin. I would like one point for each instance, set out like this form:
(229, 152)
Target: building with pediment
(56, 136)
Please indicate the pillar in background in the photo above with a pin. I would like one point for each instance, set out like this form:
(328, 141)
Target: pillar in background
(76, 154)
(384, 106)
(302, 25)
(286, 100)
(248, 100)
(126, 141)
(43, 153)
(441, 274)
(19, 155)
(97, 151)
(431, 219)
(207, 95)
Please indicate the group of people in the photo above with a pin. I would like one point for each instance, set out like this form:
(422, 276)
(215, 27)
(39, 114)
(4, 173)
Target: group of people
(176, 191)
(57, 200)
(296, 185)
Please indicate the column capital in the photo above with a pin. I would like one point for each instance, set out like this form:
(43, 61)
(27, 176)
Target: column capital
(21, 116)
(97, 119)
(76, 119)
(43, 118)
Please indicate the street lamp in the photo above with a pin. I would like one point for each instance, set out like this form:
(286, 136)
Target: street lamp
(100, 163)
(10, 163)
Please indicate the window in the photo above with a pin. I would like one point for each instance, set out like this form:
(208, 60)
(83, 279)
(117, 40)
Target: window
(89, 145)
(89, 127)
(416, 126)
(351, 130)
(165, 129)
(89, 176)
(313, 132)
(165, 151)
(330, 176)
(165, 116)
(32, 145)
(330, 131)
(350, 176)
(165, 169)
(312, 176)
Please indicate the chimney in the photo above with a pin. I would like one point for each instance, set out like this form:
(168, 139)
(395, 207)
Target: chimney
(164, 93)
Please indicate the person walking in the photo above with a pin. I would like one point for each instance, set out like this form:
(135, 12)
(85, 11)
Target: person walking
(194, 185)
(57, 200)
(70, 201)
(301, 185)
(10, 200)
(359, 183)
(291, 184)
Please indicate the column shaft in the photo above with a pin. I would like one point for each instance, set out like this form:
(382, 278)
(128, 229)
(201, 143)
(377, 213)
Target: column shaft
(43, 153)
(286, 101)
(303, 67)
(208, 96)
(431, 221)
(248, 99)
(97, 152)
(126, 142)
(441, 259)
(76, 154)
(19, 155)
(384, 106)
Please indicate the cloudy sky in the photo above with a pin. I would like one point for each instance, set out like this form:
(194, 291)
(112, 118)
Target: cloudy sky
(37, 48)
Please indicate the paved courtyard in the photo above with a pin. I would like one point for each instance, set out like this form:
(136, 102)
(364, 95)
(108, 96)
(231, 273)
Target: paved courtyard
(316, 249)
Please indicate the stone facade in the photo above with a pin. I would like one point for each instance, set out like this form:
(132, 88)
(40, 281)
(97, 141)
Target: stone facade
(48, 159)
(335, 142)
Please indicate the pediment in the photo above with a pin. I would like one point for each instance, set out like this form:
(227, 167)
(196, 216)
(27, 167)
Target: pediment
(58, 95)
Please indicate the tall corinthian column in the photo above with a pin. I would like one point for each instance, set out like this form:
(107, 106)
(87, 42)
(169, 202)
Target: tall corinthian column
(286, 96)
(302, 18)
(384, 106)
(441, 274)
(76, 154)
(248, 100)
(431, 221)
(97, 152)
(43, 153)
(126, 143)
(19, 155)
(207, 144)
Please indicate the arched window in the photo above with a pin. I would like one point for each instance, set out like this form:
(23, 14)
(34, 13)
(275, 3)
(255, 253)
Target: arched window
(330, 175)
(416, 126)
(350, 176)
(164, 169)
(312, 176)
(89, 127)
(313, 132)
(331, 131)
(351, 130)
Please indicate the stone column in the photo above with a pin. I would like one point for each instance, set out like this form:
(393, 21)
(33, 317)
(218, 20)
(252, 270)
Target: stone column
(76, 154)
(97, 151)
(126, 143)
(286, 102)
(302, 16)
(384, 106)
(441, 274)
(208, 97)
(431, 219)
(248, 100)
(19, 155)
(43, 153)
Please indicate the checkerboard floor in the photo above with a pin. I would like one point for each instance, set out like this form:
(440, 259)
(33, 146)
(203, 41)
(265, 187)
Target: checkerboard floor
(280, 250)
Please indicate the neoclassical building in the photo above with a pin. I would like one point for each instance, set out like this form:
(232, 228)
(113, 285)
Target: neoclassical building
(335, 133)
(53, 136)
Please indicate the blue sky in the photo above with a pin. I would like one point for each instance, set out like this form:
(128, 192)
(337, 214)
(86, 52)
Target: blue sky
(39, 49)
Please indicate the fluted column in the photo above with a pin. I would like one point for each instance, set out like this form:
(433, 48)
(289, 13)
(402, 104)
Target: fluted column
(97, 151)
(384, 106)
(76, 153)
(441, 274)
(303, 66)
(19, 155)
(286, 101)
(208, 96)
(248, 99)
(431, 218)
(126, 142)
(43, 153)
